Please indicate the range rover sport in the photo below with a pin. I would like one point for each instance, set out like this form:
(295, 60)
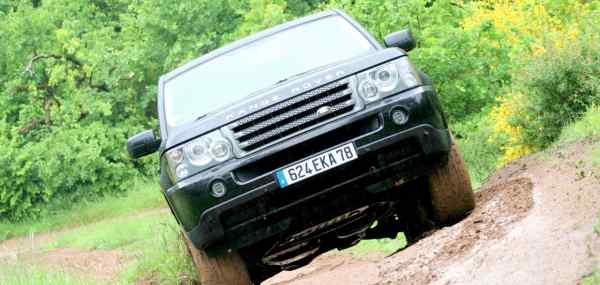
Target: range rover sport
(303, 138)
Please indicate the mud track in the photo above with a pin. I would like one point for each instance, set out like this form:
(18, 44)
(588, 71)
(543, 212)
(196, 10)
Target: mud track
(533, 224)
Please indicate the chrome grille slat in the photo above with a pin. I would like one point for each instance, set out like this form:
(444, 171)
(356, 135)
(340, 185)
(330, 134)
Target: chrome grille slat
(285, 104)
(293, 115)
(294, 124)
(282, 117)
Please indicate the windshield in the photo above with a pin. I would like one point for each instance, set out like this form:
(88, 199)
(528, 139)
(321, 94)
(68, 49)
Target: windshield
(261, 64)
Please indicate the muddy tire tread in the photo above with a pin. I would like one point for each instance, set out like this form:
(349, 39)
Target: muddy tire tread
(221, 270)
(452, 197)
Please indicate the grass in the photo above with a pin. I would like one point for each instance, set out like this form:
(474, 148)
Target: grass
(597, 226)
(385, 246)
(145, 195)
(122, 223)
(112, 233)
(594, 277)
(595, 155)
(480, 155)
(161, 258)
(150, 239)
(585, 127)
(25, 274)
(591, 279)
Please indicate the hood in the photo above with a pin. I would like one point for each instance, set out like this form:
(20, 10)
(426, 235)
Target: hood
(281, 92)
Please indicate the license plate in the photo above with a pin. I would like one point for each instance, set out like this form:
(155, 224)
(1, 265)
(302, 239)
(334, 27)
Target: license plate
(317, 164)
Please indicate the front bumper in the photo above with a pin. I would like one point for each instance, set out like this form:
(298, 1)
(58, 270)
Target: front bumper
(256, 208)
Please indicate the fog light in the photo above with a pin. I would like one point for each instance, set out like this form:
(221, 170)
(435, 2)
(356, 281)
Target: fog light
(218, 189)
(399, 116)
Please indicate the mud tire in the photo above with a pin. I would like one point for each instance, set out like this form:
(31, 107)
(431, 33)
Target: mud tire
(222, 270)
(452, 197)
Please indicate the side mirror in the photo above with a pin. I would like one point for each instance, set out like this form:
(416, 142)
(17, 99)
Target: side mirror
(402, 39)
(142, 144)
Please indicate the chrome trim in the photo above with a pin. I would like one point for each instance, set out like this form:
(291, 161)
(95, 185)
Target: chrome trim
(232, 136)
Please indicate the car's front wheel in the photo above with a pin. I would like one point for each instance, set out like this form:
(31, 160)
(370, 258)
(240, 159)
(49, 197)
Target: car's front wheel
(448, 200)
(226, 269)
(452, 197)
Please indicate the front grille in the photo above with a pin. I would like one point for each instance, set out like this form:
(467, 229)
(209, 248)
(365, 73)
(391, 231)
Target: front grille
(307, 148)
(293, 115)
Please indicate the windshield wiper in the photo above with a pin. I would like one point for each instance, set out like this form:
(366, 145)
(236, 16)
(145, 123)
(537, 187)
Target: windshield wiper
(293, 76)
(200, 117)
(304, 72)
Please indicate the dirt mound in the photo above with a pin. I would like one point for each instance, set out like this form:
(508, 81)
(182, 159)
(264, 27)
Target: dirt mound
(497, 207)
(533, 224)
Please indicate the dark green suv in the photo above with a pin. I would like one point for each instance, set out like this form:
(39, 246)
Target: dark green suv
(302, 138)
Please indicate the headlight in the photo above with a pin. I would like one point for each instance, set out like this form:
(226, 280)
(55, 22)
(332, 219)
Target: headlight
(198, 154)
(388, 79)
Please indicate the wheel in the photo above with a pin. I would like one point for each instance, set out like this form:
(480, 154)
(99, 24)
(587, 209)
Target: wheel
(418, 222)
(222, 270)
(450, 190)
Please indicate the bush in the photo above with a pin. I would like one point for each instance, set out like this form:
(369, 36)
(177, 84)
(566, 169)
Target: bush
(559, 86)
(481, 152)
(67, 165)
(585, 127)
(468, 66)
(76, 79)
(555, 65)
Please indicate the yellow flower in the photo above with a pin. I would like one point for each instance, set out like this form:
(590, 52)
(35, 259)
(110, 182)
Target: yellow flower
(503, 129)
(527, 25)
(538, 50)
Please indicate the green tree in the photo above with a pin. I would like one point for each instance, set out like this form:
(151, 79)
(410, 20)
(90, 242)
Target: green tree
(466, 67)
(79, 77)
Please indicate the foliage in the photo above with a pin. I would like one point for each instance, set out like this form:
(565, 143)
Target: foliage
(259, 15)
(562, 86)
(467, 67)
(384, 246)
(61, 213)
(161, 258)
(591, 279)
(554, 73)
(585, 127)
(527, 26)
(78, 77)
(505, 132)
(108, 234)
(15, 273)
(480, 149)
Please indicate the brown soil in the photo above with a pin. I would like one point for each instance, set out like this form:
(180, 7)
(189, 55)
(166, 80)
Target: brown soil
(102, 266)
(331, 268)
(533, 224)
